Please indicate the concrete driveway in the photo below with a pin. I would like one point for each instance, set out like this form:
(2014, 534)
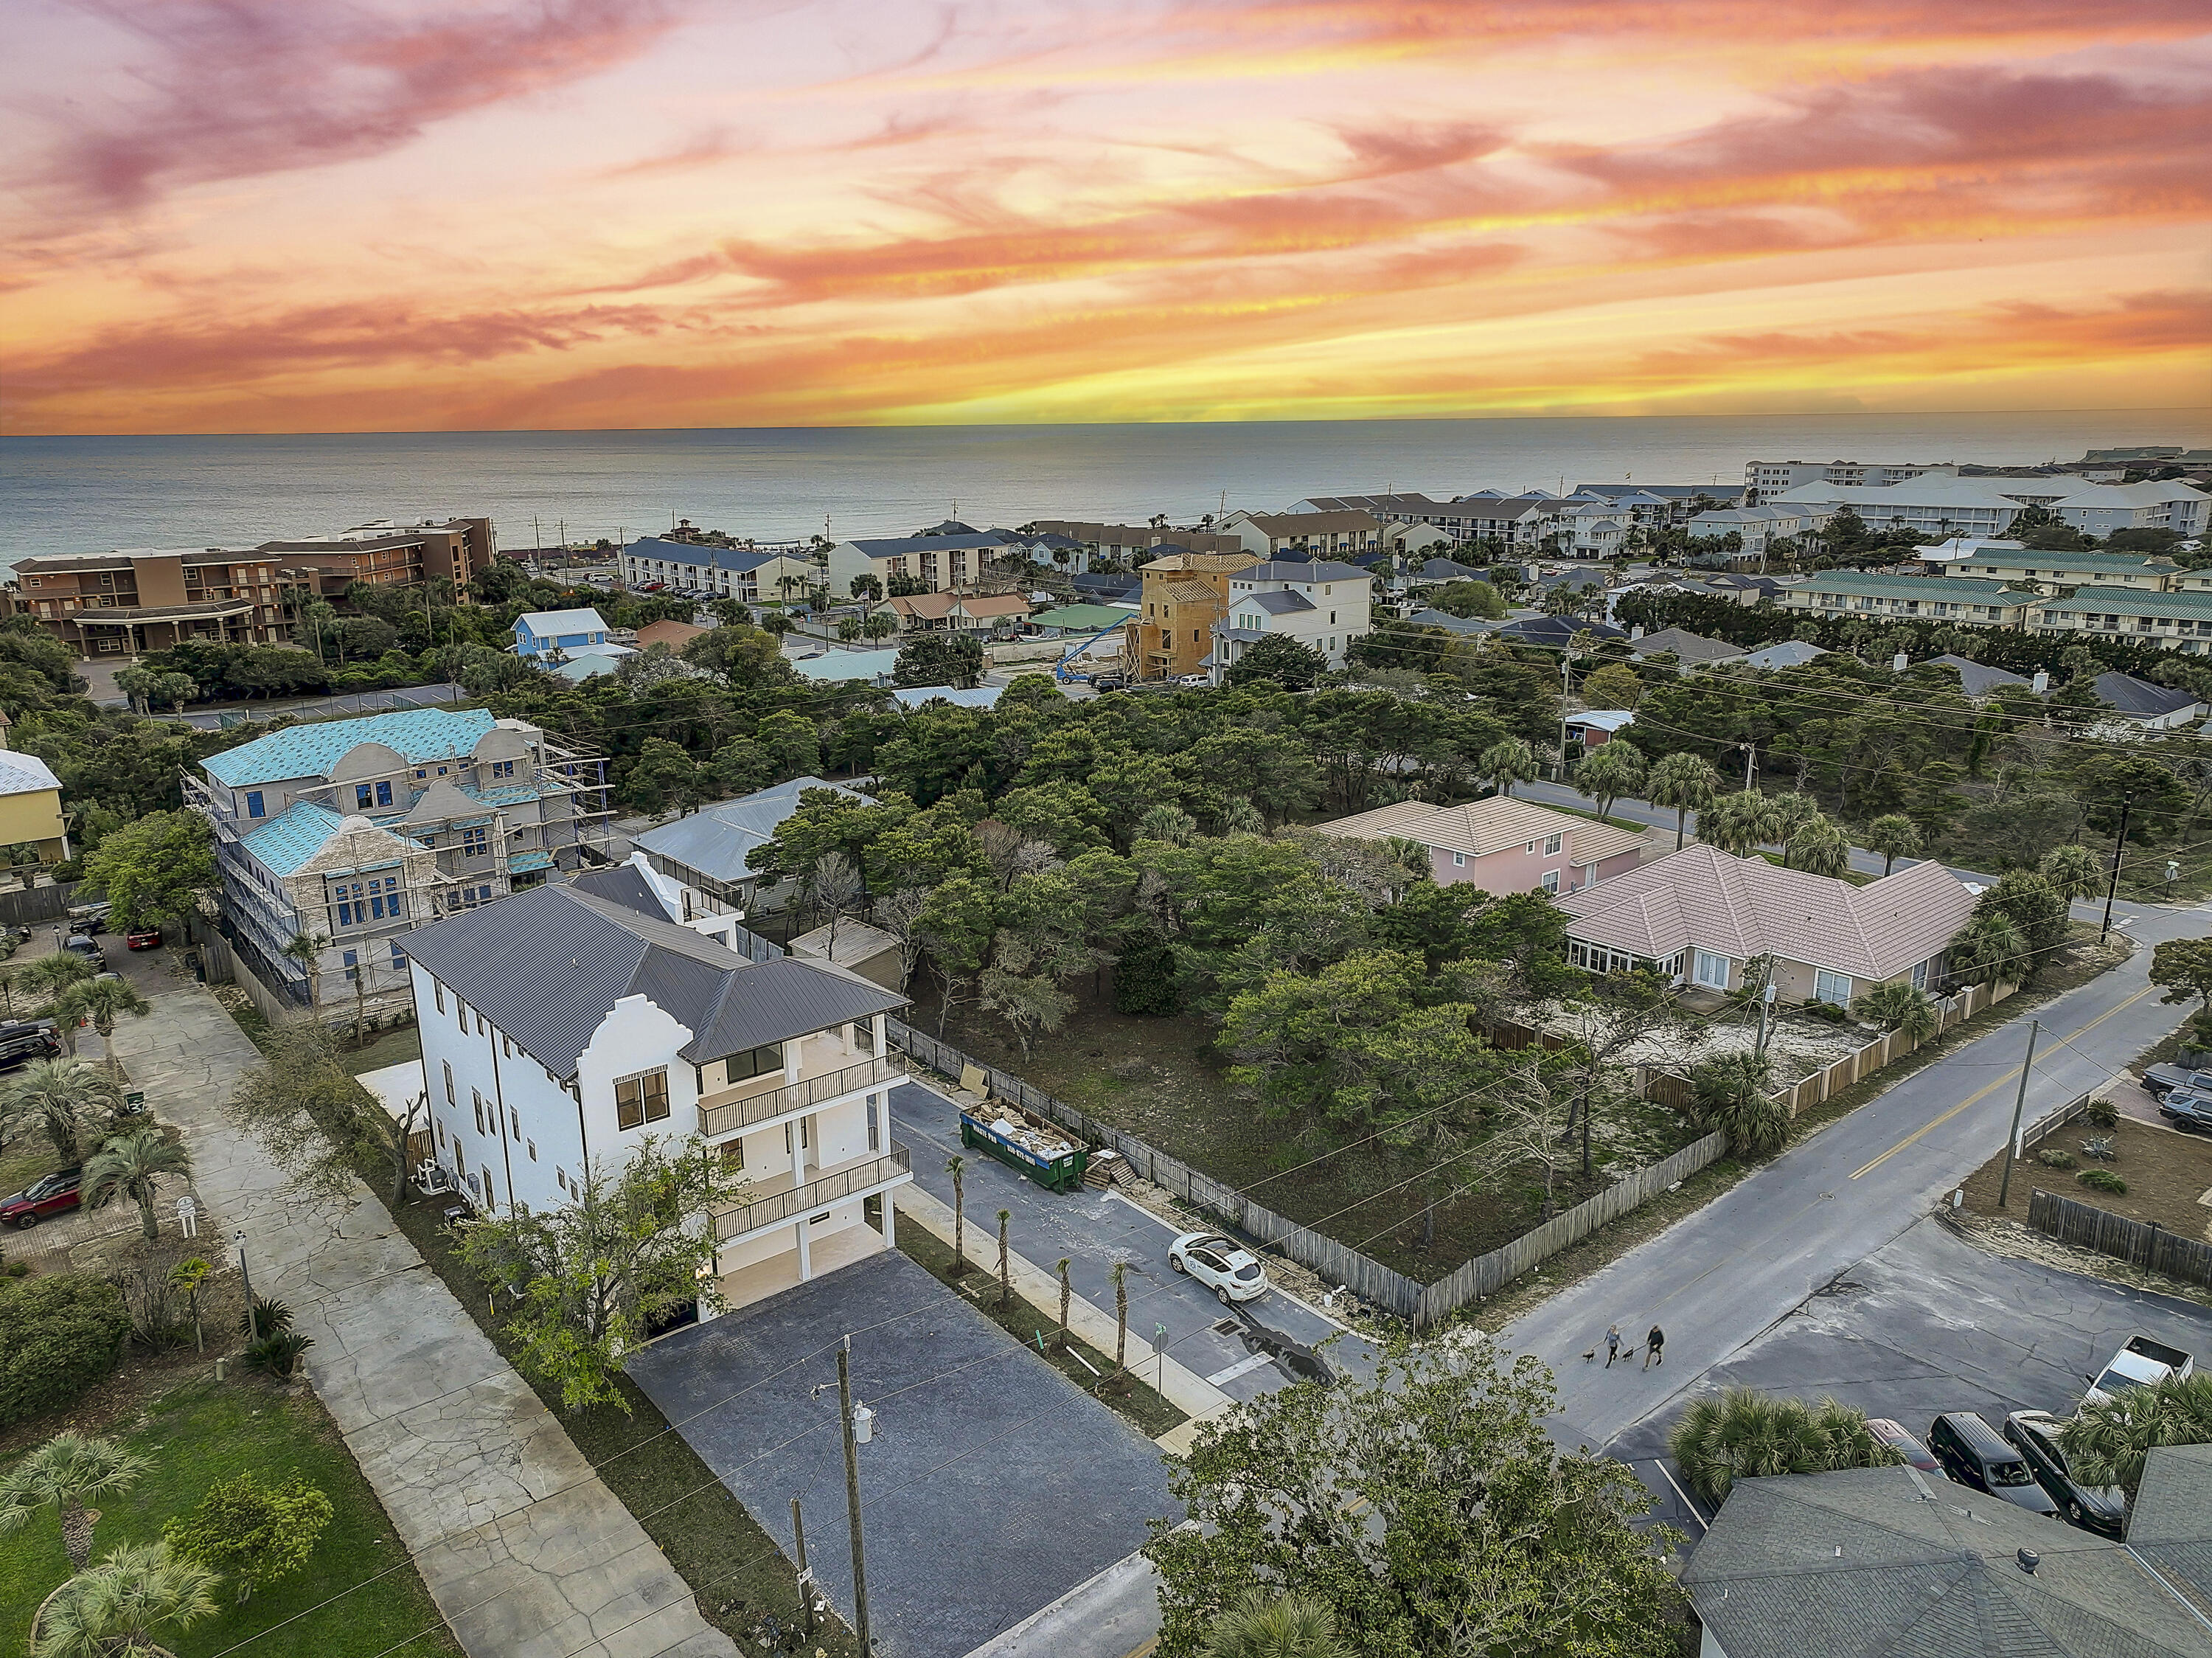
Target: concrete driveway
(1245, 1351)
(1926, 1325)
(992, 1486)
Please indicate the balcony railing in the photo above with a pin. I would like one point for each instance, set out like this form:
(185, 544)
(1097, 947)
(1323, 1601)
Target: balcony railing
(781, 1206)
(729, 1118)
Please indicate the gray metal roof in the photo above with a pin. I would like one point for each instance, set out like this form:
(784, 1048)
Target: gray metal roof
(1977, 679)
(2140, 697)
(1279, 603)
(714, 839)
(1879, 1562)
(548, 965)
(625, 884)
(1297, 569)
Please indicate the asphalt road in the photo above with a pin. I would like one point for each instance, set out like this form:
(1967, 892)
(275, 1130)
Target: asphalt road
(1236, 1349)
(1725, 1275)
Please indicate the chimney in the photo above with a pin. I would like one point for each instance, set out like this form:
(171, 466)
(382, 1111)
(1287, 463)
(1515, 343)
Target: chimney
(2029, 1560)
(1636, 632)
(1897, 663)
(2040, 685)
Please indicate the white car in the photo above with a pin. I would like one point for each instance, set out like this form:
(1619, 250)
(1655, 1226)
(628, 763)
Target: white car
(1194, 682)
(1225, 1266)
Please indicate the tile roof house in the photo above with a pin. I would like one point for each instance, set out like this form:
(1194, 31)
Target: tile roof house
(1700, 914)
(1880, 1563)
(564, 1028)
(1503, 844)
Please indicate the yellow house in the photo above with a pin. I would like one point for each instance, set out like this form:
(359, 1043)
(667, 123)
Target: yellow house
(31, 806)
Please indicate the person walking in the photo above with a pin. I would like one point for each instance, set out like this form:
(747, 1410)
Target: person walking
(1654, 1345)
(1612, 1345)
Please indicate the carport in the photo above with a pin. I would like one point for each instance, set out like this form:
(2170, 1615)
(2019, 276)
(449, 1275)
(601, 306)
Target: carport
(991, 1487)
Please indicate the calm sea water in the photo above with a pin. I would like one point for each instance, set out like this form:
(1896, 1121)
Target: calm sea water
(88, 494)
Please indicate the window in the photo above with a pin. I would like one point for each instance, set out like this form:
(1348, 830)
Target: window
(864, 1035)
(1551, 881)
(733, 1153)
(753, 1062)
(1920, 976)
(1711, 969)
(1459, 860)
(502, 768)
(450, 1097)
(352, 967)
(642, 1098)
(438, 993)
(253, 802)
(480, 1024)
(472, 843)
(1552, 845)
(441, 1126)
(532, 1144)
(875, 1126)
(363, 796)
(1833, 988)
(491, 1198)
(515, 1117)
(399, 958)
(477, 1100)
(560, 1179)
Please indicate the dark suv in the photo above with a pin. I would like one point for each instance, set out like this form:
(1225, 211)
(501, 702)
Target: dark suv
(22, 1043)
(49, 1195)
(2100, 1508)
(1975, 1454)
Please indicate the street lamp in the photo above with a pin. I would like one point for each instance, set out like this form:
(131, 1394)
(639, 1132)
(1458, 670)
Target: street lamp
(246, 1278)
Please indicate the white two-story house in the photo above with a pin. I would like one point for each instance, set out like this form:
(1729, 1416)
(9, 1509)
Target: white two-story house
(563, 1027)
(1324, 604)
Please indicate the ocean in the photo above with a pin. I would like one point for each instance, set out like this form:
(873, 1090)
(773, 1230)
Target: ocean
(92, 494)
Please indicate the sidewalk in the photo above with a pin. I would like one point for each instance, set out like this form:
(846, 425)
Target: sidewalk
(525, 1551)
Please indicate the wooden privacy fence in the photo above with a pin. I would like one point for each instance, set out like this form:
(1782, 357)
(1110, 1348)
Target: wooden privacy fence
(1950, 1011)
(2051, 1121)
(2139, 1243)
(1364, 1277)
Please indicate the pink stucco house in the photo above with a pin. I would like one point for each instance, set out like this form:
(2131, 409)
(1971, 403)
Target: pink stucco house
(1503, 844)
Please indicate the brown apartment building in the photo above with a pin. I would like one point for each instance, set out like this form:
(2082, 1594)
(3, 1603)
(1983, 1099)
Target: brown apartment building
(143, 598)
(1120, 541)
(1185, 595)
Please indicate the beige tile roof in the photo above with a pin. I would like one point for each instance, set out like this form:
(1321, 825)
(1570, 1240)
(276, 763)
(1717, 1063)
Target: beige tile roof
(1743, 907)
(1483, 827)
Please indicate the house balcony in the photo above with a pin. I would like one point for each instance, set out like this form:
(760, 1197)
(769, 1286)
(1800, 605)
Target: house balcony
(752, 1112)
(778, 1203)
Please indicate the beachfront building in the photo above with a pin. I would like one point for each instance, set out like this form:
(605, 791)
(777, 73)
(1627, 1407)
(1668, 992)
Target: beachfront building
(355, 833)
(1764, 479)
(564, 1028)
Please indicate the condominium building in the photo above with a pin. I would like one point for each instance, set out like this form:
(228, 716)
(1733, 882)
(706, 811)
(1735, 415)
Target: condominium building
(1766, 479)
(1759, 528)
(1998, 562)
(935, 562)
(355, 833)
(1321, 604)
(142, 599)
(749, 575)
(2103, 509)
(2172, 621)
(1938, 505)
(564, 1028)
(1129, 543)
(1890, 598)
(1304, 534)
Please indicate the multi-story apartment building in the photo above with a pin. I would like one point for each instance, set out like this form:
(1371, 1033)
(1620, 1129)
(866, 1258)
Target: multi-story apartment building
(358, 832)
(2102, 509)
(1763, 479)
(936, 562)
(1993, 562)
(1890, 598)
(1322, 604)
(1760, 528)
(1122, 544)
(1184, 598)
(2178, 621)
(750, 574)
(1304, 534)
(563, 1027)
(143, 598)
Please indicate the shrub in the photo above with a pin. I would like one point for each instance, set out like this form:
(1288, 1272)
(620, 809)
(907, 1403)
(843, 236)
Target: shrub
(2055, 1158)
(1730, 1094)
(277, 1354)
(250, 1534)
(269, 1319)
(59, 1335)
(2101, 1113)
(1829, 1011)
(2103, 1180)
(1145, 979)
(1746, 1434)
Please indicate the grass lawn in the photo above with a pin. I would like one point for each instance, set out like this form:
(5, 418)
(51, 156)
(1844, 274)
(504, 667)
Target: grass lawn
(735, 1570)
(1152, 1415)
(387, 1047)
(1161, 1079)
(203, 1432)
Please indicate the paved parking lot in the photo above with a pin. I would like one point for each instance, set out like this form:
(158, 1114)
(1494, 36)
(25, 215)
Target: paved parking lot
(1246, 1351)
(992, 1486)
(1927, 1325)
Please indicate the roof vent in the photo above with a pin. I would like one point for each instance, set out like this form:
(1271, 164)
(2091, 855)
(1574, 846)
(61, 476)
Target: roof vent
(2029, 1560)
(572, 962)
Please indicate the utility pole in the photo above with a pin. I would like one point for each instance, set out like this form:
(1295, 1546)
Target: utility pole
(2119, 846)
(852, 1494)
(1750, 753)
(536, 537)
(805, 1576)
(2019, 1105)
(1766, 1002)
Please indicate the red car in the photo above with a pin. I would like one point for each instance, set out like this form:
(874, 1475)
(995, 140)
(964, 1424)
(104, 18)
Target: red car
(142, 938)
(50, 1194)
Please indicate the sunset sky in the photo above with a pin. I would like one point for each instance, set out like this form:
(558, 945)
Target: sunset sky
(294, 216)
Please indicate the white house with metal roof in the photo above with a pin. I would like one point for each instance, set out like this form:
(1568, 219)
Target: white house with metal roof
(1320, 603)
(565, 1026)
(356, 831)
(703, 852)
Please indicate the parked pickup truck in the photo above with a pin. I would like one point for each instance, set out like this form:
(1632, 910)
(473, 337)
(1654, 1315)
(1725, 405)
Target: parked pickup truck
(2159, 1080)
(2141, 1363)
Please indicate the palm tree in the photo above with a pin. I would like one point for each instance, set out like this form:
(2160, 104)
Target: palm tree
(65, 1471)
(1611, 772)
(1506, 763)
(956, 1166)
(2073, 871)
(880, 625)
(1792, 812)
(1894, 836)
(1682, 783)
(2107, 1443)
(62, 1094)
(1740, 823)
(53, 974)
(1819, 848)
(1743, 1434)
(1732, 1094)
(306, 949)
(1264, 1624)
(1899, 1007)
(112, 1611)
(127, 1165)
(104, 1000)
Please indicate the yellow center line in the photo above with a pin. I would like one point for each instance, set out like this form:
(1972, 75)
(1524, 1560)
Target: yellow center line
(2010, 1075)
